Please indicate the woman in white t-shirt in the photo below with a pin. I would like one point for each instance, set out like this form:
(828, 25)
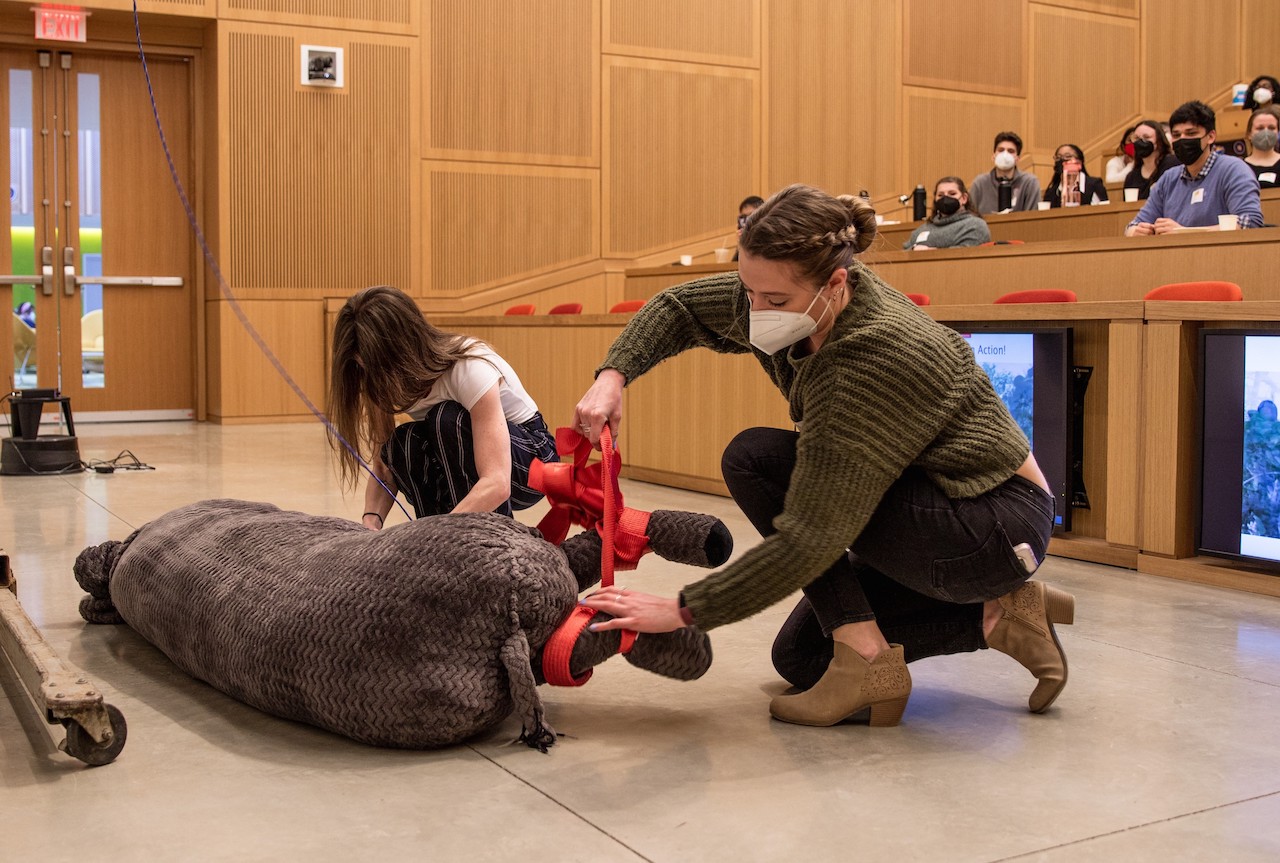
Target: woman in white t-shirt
(473, 431)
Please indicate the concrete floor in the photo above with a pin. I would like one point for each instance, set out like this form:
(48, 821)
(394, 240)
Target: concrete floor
(1164, 745)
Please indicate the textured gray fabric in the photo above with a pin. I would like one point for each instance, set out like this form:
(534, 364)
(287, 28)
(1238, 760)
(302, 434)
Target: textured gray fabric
(418, 636)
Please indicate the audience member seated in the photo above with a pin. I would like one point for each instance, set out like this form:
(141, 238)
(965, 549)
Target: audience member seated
(955, 220)
(1151, 157)
(1119, 165)
(1264, 125)
(1262, 91)
(1208, 185)
(1021, 188)
(27, 312)
(1071, 184)
(749, 205)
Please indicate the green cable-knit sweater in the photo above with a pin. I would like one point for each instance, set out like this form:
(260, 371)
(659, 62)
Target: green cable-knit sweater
(890, 388)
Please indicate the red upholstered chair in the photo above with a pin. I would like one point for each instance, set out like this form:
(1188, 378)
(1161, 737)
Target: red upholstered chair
(1221, 292)
(919, 299)
(524, 309)
(626, 306)
(566, 309)
(1045, 295)
(1002, 243)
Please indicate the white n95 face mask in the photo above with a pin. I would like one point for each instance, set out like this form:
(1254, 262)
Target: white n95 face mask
(1263, 95)
(1005, 160)
(772, 331)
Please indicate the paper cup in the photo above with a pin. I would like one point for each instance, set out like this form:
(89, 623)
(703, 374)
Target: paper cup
(1228, 223)
(724, 256)
(686, 260)
(1044, 205)
(1130, 196)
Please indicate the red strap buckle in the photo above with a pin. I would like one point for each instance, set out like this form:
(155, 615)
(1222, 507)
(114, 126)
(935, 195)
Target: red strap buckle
(587, 495)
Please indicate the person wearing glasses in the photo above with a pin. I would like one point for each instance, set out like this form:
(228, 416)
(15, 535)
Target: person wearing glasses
(1071, 184)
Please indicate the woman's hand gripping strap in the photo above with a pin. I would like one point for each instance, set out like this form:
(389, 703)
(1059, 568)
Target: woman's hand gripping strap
(587, 495)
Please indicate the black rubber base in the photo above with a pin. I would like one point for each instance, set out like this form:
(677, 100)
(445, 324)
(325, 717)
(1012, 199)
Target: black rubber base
(46, 454)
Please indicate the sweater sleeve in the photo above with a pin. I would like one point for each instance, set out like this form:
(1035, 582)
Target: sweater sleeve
(1242, 195)
(973, 232)
(711, 313)
(859, 434)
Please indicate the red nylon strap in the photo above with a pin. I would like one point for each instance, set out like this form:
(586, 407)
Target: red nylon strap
(587, 495)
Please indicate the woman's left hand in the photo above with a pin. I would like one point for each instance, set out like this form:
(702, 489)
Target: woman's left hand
(640, 612)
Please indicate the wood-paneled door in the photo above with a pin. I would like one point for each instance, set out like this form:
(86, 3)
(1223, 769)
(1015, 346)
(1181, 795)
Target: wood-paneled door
(94, 219)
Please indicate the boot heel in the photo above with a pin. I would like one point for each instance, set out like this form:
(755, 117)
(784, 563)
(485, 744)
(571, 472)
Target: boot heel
(1060, 606)
(885, 714)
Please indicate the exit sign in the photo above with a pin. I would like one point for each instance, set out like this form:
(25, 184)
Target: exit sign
(61, 23)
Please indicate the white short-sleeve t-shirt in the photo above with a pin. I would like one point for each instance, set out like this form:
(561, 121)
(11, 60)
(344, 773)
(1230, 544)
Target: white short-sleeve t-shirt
(473, 376)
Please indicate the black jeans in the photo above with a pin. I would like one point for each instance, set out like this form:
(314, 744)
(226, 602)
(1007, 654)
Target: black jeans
(434, 464)
(922, 566)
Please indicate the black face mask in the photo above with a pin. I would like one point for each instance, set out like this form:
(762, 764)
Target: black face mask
(946, 205)
(1142, 148)
(1187, 150)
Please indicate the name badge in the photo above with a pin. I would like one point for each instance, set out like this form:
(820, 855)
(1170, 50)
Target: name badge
(1197, 196)
(922, 236)
(1267, 177)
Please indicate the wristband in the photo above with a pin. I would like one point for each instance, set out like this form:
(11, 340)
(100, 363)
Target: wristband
(685, 614)
(381, 520)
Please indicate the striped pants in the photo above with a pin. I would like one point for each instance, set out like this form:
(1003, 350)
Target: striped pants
(433, 459)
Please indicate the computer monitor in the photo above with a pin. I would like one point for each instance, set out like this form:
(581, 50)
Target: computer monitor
(1240, 445)
(1031, 371)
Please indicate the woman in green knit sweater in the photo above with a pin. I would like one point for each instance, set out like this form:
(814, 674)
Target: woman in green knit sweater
(956, 221)
(907, 505)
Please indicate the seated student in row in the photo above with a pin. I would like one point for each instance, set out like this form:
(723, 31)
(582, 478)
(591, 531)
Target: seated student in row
(1071, 184)
(1119, 165)
(1022, 187)
(955, 220)
(1151, 157)
(1264, 124)
(1209, 184)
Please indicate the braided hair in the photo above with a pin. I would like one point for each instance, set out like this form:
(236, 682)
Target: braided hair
(816, 232)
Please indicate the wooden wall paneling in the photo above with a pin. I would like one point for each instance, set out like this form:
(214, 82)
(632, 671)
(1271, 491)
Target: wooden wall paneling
(974, 47)
(1079, 94)
(513, 82)
(321, 185)
(488, 224)
(378, 16)
(1261, 27)
(1168, 438)
(680, 447)
(952, 133)
(245, 386)
(192, 8)
(591, 292)
(1114, 269)
(1189, 51)
(832, 86)
(1124, 411)
(1125, 8)
(680, 151)
(724, 32)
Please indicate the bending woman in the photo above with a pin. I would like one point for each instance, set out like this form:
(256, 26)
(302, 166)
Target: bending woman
(907, 506)
(474, 430)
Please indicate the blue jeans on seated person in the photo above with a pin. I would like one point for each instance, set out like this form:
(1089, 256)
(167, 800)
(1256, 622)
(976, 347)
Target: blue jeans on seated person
(922, 566)
(434, 465)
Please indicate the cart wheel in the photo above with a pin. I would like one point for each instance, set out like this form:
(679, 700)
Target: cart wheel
(81, 745)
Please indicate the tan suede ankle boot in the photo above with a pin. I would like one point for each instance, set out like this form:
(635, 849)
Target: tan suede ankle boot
(1025, 632)
(851, 684)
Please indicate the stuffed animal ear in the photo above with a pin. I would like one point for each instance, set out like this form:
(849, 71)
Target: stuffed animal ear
(689, 537)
